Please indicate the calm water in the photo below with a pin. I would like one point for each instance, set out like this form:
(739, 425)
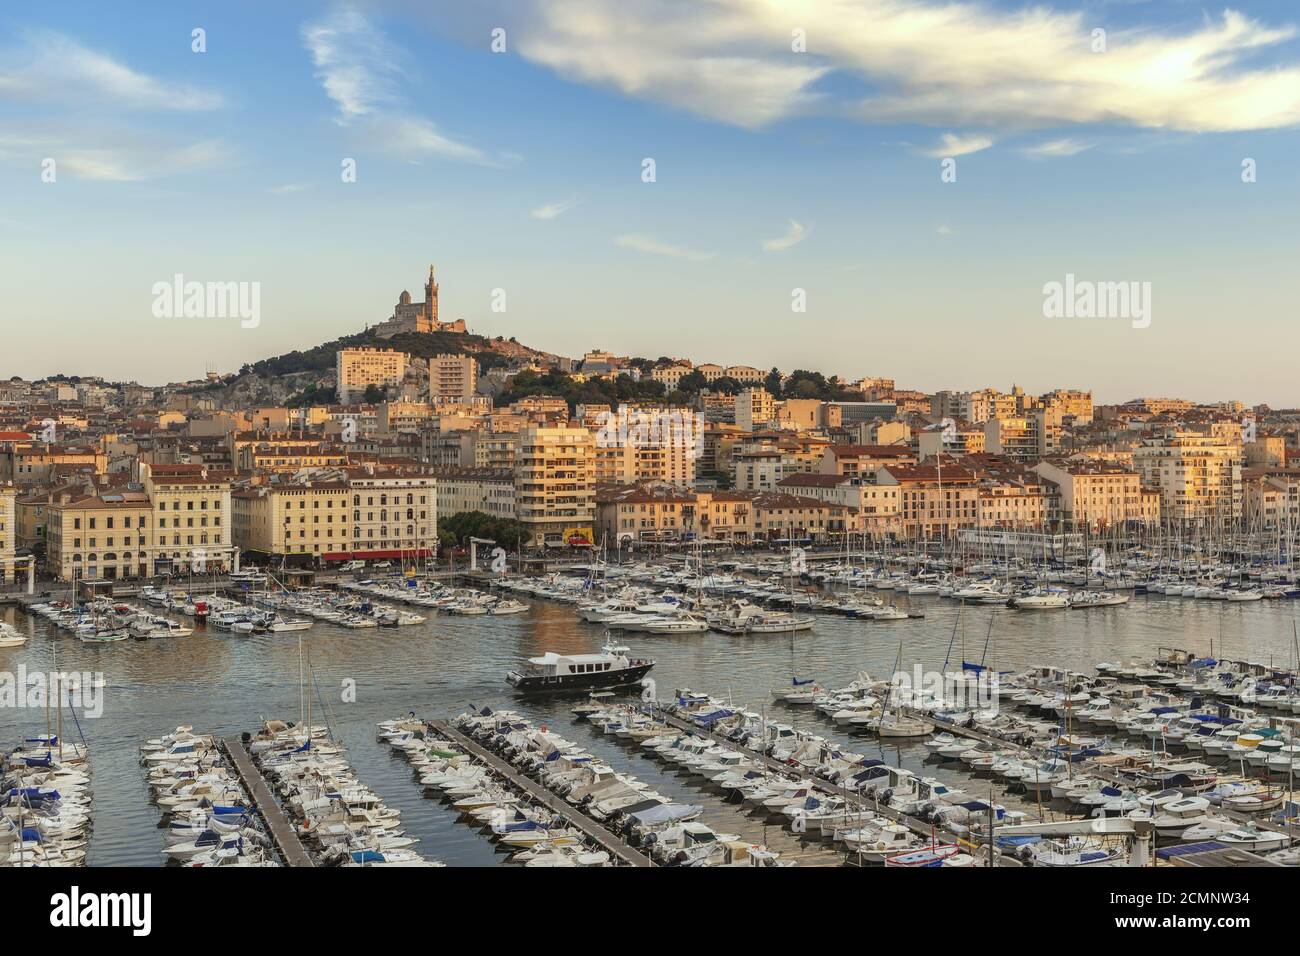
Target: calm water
(223, 684)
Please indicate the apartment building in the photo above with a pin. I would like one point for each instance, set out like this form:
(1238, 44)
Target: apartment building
(299, 522)
(192, 517)
(8, 532)
(1198, 473)
(554, 484)
(489, 490)
(1096, 495)
(754, 408)
(872, 508)
(104, 535)
(452, 377)
(858, 461)
(358, 368)
(1271, 498)
(933, 500)
(394, 513)
(638, 512)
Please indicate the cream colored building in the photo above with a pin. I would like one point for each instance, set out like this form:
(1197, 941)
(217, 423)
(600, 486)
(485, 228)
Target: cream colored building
(294, 521)
(394, 512)
(192, 518)
(99, 536)
(1198, 474)
(8, 531)
(1099, 495)
(452, 377)
(489, 490)
(554, 483)
(755, 407)
(361, 367)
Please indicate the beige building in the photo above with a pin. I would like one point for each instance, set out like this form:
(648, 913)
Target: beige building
(755, 408)
(1198, 474)
(1099, 495)
(554, 484)
(192, 518)
(394, 513)
(1271, 498)
(8, 532)
(99, 536)
(298, 522)
(359, 368)
(452, 377)
(489, 490)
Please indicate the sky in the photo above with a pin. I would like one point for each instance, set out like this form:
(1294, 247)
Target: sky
(914, 174)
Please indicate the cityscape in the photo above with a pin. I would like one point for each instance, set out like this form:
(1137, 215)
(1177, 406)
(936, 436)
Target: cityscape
(560, 434)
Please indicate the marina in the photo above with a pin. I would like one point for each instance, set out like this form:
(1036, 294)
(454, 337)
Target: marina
(834, 651)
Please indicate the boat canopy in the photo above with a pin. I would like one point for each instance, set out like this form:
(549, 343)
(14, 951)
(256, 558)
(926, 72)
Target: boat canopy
(666, 813)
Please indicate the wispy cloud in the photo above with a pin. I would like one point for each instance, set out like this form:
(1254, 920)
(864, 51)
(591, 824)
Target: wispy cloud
(111, 157)
(1056, 147)
(952, 144)
(553, 209)
(654, 247)
(288, 188)
(795, 233)
(362, 71)
(48, 66)
(944, 230)
(935, 62)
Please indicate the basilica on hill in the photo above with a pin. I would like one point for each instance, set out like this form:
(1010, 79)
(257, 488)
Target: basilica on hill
(411, 316)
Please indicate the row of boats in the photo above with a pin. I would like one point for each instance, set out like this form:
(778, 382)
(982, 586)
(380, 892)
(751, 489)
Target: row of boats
(341, 820)
(45, 801)
(730, 760)
(669, 833)
(207, 816)
(439, 597)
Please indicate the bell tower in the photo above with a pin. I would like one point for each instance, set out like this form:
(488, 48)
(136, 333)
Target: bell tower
(431, 301)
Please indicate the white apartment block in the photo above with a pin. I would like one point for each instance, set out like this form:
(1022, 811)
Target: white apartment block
(358, 368)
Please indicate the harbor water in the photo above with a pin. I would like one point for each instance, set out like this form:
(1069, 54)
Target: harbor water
(221, 682)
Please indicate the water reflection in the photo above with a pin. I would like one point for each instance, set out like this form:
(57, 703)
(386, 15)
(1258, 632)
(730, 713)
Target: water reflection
(224, 683)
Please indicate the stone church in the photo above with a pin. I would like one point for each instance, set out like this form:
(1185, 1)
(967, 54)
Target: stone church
(411, 316)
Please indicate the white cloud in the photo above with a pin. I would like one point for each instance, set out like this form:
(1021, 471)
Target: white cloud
(51, 66)
(1056, 147)
(360, 70)
(289, 188)
(950, 144)
(934, 62)
(553, 209)
(795, 233)
(944, 230)
(654, 247)
(113, 157)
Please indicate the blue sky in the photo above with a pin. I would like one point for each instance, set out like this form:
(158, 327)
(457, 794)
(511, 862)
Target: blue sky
(775, 170)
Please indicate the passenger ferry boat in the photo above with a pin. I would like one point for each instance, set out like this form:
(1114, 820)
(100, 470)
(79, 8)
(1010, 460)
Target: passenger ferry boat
(561, 673)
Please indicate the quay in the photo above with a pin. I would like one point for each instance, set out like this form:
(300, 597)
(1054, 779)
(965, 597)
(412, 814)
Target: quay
(282, 832)
(608, 841)
(920, 827)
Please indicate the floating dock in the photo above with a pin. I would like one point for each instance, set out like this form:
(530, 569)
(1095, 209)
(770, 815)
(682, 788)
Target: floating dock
(920, 827)
(608, 841)
(282, 832)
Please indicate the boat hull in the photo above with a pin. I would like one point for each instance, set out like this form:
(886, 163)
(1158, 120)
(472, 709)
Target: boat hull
(629, 677)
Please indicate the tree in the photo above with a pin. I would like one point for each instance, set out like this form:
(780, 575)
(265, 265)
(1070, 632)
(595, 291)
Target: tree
(463, 525)
(374, 394)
